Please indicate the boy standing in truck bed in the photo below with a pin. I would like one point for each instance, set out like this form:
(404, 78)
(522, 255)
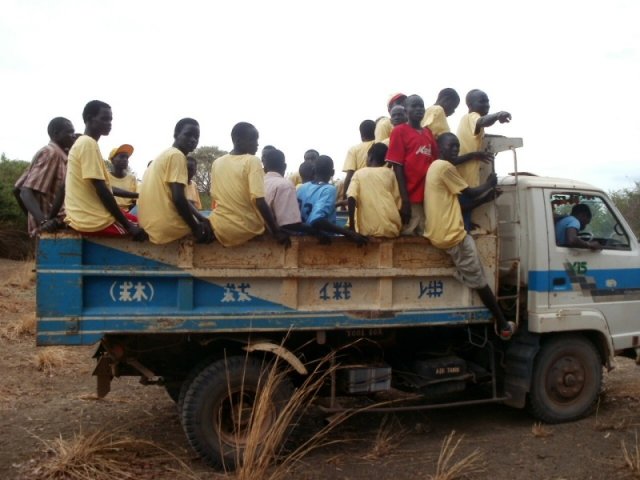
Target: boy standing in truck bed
(237, 188)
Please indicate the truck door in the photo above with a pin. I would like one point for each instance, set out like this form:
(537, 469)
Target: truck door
(605, 282)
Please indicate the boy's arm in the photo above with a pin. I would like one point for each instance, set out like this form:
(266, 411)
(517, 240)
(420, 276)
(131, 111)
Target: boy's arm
(16, 194)
(405, 210)
(201, 230)
(30, 202)
(483, 156)
(307, 230)
(352, 204)
(347, 181)
(196, 213)
(325, 225)
(121, 192)
(108, 200)
(281, 236)
(475, 193)
(491, 118)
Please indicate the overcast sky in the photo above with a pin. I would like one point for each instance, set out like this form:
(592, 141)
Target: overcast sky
(306, 74)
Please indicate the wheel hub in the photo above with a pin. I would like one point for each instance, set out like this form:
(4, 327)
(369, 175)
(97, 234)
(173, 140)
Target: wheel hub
(565, 379)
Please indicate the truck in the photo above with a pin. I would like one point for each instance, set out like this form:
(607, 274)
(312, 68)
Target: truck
(206, 322)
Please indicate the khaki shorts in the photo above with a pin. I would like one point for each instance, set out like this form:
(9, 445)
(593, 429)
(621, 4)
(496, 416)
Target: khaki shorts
(416, 223)
(467, 261)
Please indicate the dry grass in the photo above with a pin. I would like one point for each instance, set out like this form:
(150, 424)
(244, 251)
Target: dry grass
(387, 438)
(23, 276)
(448, 469)
(264, 457)
(632, 457)
(49, 359)
(21, 327)
(539, 430)
(101, 456)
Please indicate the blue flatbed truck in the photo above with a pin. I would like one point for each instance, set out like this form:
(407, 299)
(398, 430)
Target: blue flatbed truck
(201, 319)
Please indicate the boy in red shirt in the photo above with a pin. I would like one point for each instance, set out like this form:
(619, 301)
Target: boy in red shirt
(412, 149)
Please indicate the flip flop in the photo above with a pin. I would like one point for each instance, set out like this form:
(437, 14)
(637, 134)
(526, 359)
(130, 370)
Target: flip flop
(507, 332)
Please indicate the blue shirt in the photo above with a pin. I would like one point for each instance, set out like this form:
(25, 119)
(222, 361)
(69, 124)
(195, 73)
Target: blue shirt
(561, 229)
(317, 200)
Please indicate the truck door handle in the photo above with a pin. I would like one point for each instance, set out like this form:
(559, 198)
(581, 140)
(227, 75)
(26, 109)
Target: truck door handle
(558, 281)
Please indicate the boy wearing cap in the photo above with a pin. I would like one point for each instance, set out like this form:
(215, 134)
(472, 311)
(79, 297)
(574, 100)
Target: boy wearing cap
(123, 184)
(237, 188)
(40, 190)
(163, 208)
(383, 125)
(357, 155)
(412, 149)
(435, 117)
(89, 201)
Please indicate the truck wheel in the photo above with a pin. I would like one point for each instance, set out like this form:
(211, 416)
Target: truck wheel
(567, 374)
(218, 405)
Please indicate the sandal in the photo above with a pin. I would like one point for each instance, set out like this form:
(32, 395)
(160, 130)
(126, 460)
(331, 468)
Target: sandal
(507, 331)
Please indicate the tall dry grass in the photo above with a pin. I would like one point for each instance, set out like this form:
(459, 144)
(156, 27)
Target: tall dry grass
(49, 359)
(631, 457)
(388, 437)
(105, 456)
(447, 468)
(22, 276)
(264, 456)
(23, 326)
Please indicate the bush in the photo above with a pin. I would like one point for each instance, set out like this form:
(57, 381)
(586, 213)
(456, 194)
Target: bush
(14, 239)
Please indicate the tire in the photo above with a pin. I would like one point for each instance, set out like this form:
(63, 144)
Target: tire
(207, 408)
(567, 375)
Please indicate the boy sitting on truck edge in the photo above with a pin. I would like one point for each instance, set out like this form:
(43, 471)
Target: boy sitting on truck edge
(40, 190)
(374, 197)
(164, 211)
(411, 150)
(568, 227)
(123, 184)
(445, 228)
(435, 117)
(357, 155)
(309, 158)
(89, 201)
(317, 202)
(237, 187)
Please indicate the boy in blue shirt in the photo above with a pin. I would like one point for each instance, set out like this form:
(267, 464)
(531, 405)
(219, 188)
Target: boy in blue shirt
(317, 200)
(567, 228)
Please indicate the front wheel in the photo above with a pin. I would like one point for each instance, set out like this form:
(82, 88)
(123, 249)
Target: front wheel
(231, 403)
(567, 375)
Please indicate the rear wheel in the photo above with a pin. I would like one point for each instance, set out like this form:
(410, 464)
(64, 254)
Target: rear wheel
(218, 411)
(567, 375)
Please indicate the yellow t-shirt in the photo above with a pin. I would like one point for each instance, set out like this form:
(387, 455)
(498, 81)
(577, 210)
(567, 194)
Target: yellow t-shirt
(157, 213)
(378, 202)
(436, 120)
(357, 156)
(128, 183)
(236, 182)
(295, 178)
(470, 142)
(444, 226)
(383, 129)
(85, 211)
(193, 195)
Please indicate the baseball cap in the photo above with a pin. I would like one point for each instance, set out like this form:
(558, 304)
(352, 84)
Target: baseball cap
(394, 98)
(125, 148)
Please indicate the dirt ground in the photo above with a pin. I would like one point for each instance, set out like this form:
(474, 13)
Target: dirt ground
(37, 407)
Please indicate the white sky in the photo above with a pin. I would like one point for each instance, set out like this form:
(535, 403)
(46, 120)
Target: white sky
(306, 74)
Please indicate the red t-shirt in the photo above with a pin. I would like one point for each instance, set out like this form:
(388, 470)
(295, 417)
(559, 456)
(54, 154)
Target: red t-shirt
(416, 151)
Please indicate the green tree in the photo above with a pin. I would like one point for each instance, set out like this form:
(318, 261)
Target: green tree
(628, 202)
(205, 156)
(10, 213)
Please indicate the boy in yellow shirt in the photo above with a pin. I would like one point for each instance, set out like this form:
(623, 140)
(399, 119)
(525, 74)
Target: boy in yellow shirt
(89, 201)
(357, 155)
(435, 117)
(374, 197)
(123, 184)
(471, 132)
(164, 211)
(445, 228)
(237, 188)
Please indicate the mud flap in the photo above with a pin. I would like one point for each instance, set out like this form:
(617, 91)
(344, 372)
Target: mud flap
(519, 367)
(104, 374)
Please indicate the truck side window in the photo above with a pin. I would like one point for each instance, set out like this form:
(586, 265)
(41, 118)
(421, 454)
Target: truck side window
(603, 227)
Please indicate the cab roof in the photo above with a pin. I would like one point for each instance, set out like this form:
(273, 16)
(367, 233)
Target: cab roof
(528, 180)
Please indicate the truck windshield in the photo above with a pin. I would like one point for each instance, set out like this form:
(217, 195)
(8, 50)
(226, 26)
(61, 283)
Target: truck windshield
(603, 225)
